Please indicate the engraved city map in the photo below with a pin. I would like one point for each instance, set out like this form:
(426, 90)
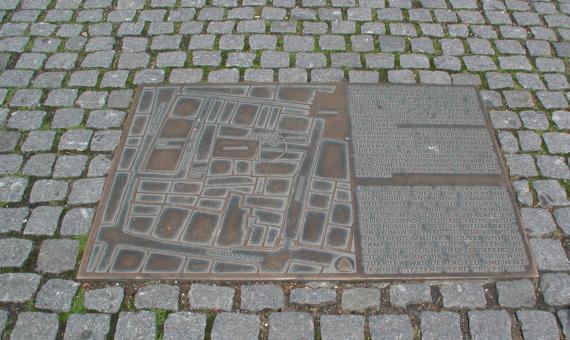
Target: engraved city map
(306, 181)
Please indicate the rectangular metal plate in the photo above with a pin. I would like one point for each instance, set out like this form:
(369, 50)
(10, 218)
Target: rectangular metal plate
(307, 181)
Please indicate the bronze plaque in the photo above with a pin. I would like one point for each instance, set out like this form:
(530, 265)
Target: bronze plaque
(307, 181)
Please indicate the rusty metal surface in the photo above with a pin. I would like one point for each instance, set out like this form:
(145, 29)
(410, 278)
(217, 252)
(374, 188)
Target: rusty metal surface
(307, 181)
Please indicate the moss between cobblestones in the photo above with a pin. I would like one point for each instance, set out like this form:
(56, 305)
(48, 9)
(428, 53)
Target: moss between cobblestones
(209, 325)
(160, 317)
(77, 306)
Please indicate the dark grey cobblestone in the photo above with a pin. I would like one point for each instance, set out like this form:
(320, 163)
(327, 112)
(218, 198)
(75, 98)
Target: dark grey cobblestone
(92, 326)
(104, 300)
(211, 297)
(184, 325)
(35, 325)
(160, 296)
(259, 297)
(235, 326)
(463, 295)
(136, 325)
(442, 325)
(13, 252)
(310, 296)
(402, 295)
(342, 327)
(390, 326)
(56, 295)
(489, 324)
(18, 287)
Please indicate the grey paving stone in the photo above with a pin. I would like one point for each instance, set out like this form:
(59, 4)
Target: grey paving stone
(550, 193)
(12, 219)
(12, 188)
(530, 141)
(38, 140)
(8, 140)
(77, 221)
(562, 216)
(498, 80)
(136, 325)
(463, 295)
(14, 252)
(18, 287)
(47, 190)
(401, 76)
(10, 163)
(39, 165)
(99, 166)
(521, 165)
(211, 297)
(83, 78)
(555, 288)
(292, 75)
(160, 296)
(508, 142)
(518, 99)
(402, 295)
(181, 76)
(538, 222)
(564, 317)
(26, 98)
(259, 297)
(519, 63)
(69, 166)
(105, 140)
(379, 60)
(291, 325)
(310, 60)
(87, 326)
(534, 120)
(57, 256)
(390, 326)
(553, 166)
(104, 300)
(505, 120)
(56, 295)
(35, 325)
(345, 60)
(489, 324)
(92, 99)
(440, 326)
(85, 191)
(552, 100)
(516, 294)
(234, 326)
(43, 220)
(360, 299)
(327, 75)
(224, 76)
(549, 255)
(61, 97)
(258, 75)
(557, 142)
(120, 99)
(310, 296)
(538, 325)
(26, 120)
(15, 78)
(342, 327)
(185, 325)
(479, 63)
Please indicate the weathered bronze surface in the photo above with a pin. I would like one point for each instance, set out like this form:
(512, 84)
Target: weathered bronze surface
(319, 181)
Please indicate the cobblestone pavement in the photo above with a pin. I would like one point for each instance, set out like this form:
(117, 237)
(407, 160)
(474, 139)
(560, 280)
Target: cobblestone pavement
(68, 70)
